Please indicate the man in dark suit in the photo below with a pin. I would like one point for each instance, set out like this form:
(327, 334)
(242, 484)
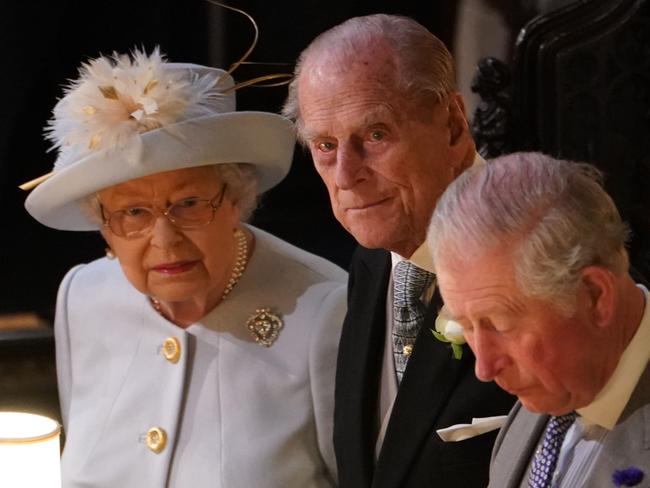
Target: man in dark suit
(531, 261)
(374, 100)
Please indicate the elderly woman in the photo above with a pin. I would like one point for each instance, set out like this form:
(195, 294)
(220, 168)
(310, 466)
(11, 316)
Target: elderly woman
(201, 351)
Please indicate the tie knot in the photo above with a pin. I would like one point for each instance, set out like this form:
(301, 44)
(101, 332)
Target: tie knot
(410, 282)
(558, 426)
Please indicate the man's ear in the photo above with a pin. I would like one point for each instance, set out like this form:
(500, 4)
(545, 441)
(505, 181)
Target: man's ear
(461, 145)
(457, 121)
(599, 284)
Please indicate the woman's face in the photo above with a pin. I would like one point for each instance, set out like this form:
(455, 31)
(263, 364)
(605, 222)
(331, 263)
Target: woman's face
(171, 264)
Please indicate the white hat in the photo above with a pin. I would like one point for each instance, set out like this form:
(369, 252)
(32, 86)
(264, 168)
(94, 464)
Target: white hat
(125, 118)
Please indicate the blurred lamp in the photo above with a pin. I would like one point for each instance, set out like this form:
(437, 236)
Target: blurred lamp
(29, 451)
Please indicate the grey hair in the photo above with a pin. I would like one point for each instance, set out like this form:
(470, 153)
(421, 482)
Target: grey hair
(424, 66)
(555, 212)
(241, 181)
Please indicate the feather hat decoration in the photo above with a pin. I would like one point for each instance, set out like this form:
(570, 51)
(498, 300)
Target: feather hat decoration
(116, 99)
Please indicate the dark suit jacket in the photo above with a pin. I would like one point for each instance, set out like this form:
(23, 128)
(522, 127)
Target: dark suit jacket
(436, 391)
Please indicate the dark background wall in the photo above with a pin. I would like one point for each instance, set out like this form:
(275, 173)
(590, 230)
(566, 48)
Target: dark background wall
(42, 45)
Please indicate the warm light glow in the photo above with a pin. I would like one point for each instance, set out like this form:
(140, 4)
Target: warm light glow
(29, 451)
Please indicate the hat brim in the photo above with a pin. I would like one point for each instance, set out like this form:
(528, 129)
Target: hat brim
(263, 139)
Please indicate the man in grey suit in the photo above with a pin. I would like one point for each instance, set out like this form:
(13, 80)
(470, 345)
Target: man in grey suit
(530, 259)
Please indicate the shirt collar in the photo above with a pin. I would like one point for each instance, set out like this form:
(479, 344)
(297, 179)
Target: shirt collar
(608, 405)
(422, 256)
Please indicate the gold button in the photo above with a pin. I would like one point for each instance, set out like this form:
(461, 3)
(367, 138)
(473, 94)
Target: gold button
(156, 439)
(407, 350)
(171, 349)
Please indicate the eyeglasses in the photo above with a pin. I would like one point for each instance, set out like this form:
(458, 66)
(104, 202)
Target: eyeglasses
(189, 213)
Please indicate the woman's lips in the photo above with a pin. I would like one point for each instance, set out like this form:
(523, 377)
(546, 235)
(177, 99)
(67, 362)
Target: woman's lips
(174, 268)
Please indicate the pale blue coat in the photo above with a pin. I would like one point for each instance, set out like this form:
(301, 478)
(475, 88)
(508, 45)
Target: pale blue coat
(236, 414)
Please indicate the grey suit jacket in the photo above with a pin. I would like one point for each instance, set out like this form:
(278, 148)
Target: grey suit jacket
(627, 445)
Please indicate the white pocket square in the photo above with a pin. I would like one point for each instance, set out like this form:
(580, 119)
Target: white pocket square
(460, 432)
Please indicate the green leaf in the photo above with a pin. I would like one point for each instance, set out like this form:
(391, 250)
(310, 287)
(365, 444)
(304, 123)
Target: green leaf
(457, 350)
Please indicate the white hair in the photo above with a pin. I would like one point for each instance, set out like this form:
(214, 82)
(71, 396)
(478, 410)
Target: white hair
(241, 181)
(241, 190)
(555, 213)
(424, 66)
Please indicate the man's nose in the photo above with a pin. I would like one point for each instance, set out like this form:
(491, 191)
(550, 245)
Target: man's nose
(350, 165)
(490, 361)
(164, 234)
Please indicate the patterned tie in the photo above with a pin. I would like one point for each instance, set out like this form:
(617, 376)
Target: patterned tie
(541, 472)
(409, 283)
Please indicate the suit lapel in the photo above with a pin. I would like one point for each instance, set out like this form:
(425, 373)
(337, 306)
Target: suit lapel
(514, 451)
(431, 376)
(628, 444)
(358, 368)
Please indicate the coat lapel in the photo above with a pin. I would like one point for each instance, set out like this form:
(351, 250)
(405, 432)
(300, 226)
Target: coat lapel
(628, 444)
(431, 376)
(358, 368)
(515, 447)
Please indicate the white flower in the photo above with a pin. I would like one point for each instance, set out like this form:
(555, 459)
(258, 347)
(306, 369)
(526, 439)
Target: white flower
(448, 330)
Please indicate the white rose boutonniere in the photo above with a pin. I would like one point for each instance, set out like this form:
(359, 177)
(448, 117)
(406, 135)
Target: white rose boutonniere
(450, 331)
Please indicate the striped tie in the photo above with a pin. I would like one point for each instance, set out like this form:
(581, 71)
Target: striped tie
(543, 468)
(409, 283)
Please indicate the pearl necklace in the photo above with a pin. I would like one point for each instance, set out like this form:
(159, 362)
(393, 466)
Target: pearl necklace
(241, 260)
